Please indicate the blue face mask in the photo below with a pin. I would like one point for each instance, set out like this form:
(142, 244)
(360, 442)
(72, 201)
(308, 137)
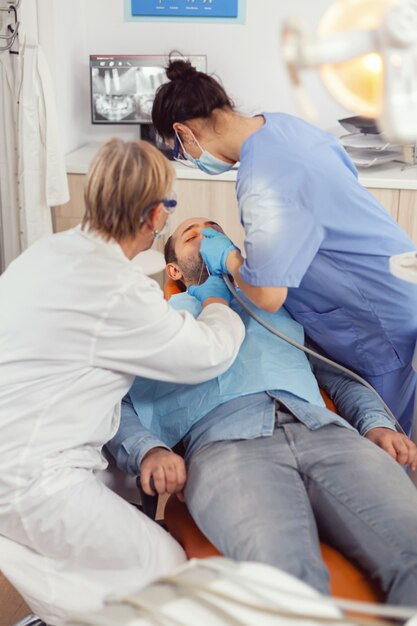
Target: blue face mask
(209, 164)
(206, 162)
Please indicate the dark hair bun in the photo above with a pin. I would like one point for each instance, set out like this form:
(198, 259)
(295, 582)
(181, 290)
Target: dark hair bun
(187, 95)
(180, 70)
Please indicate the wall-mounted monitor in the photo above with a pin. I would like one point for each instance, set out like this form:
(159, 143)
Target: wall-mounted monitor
(123, 86)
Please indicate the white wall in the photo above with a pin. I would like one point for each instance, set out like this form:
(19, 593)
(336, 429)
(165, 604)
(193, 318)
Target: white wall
(245, 56)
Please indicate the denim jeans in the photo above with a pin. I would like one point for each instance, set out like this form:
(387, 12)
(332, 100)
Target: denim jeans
(268, 499)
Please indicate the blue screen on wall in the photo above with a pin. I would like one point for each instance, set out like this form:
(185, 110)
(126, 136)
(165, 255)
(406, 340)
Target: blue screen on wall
(185, 8)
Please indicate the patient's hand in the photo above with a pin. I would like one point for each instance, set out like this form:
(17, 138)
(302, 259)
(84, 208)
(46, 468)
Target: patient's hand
(167, 470)
(399, 446)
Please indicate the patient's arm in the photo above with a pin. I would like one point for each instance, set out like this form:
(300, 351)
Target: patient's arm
(137, 451)
(353, 401)
(165, 468)
(363, 410)
(399, 446)
(132, 440)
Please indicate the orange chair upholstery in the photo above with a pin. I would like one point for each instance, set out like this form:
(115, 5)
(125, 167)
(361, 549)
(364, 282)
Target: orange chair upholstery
(171, 288)
(347, 580)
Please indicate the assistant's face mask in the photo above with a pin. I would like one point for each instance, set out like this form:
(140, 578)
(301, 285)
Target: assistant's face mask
(209, 164)
(206, 162)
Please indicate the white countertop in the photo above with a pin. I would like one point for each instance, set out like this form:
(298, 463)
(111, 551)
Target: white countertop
(77, 162)
(388, 176)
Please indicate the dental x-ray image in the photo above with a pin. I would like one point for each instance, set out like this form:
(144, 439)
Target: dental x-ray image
(123, 87)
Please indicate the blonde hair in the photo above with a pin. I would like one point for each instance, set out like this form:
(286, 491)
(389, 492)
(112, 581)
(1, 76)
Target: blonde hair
(124, 179)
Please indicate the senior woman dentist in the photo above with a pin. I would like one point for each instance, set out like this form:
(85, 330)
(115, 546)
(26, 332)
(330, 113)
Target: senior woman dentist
(316, 239)
(78, 321)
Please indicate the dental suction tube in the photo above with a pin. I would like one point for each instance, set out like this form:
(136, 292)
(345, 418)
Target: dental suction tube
(333, 364)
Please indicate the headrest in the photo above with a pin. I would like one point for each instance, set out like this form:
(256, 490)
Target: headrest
(171, 287)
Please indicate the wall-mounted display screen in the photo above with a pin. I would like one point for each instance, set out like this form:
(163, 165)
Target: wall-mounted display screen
(185, 8)
(123, 86)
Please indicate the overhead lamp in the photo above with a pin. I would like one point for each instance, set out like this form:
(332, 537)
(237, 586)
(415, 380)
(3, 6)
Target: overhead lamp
(366, 51)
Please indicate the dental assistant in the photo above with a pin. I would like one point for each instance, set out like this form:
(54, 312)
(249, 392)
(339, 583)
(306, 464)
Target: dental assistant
(78, 321)
(316, 239)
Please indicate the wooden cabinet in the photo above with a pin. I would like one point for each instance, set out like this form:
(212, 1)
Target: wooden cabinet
(70, 214)
(407, 213)
(389, 198)
(402, 204)
(213, 199)
(216, 200)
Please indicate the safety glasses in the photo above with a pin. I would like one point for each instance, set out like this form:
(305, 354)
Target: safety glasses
(169, 205)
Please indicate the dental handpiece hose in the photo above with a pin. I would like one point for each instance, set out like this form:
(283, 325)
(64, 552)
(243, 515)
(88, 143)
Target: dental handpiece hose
(333, 364)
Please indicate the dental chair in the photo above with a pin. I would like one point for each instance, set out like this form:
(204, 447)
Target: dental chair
(347, 580)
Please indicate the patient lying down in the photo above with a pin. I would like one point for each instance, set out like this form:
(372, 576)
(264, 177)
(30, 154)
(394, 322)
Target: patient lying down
(267, 467)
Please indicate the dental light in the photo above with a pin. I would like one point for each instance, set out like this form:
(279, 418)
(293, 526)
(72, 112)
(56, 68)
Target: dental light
(367, 54)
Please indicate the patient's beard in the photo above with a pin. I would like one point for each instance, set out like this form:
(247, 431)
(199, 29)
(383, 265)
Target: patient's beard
(194, 271)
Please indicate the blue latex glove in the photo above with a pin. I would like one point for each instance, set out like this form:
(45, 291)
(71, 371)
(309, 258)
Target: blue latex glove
(214, 250)
(214, 287)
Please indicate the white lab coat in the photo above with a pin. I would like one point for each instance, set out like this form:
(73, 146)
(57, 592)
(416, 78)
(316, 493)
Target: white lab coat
(78, 321)
(42, 172)
(32, 165)
(10, 245)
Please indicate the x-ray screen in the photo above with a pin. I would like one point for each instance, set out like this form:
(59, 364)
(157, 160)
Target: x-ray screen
(123, 87)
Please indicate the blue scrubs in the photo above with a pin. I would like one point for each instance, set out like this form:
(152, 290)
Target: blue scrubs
(312, 227)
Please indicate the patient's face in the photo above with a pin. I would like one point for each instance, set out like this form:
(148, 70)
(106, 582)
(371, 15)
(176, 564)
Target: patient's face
(187, 238)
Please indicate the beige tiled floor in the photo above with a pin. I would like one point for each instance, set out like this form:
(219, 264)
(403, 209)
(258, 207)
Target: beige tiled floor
(12, 606)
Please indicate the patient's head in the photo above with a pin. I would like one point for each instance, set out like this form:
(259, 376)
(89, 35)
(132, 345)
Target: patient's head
(182, 252)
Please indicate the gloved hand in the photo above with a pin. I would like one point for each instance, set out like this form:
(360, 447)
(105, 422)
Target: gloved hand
(214, 287)
(214, 249)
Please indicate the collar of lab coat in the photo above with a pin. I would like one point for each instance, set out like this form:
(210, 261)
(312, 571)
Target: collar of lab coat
(110, 244)
(148, 262)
